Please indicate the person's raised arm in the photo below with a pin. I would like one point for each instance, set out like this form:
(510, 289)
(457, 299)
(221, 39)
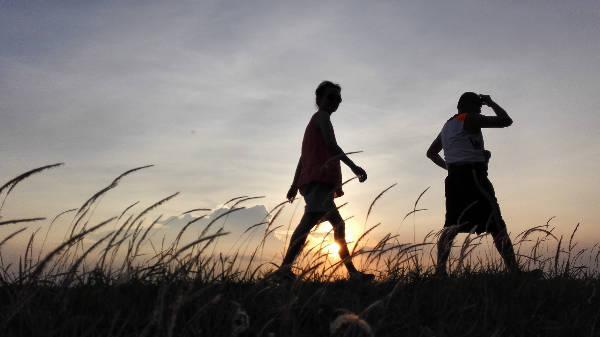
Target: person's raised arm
(501, 120)
(294, 187)
(326, 128)
(433, 152)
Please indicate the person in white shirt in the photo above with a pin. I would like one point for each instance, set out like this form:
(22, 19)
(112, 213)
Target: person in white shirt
(471, 204)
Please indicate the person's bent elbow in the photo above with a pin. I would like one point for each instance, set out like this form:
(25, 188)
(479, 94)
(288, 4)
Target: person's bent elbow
(508, 122)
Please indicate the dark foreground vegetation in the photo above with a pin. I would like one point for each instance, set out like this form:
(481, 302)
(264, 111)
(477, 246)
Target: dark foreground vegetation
(114, 285)
(468, 305)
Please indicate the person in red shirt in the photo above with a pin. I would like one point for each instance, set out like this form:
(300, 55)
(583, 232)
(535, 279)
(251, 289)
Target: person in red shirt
(318, 177)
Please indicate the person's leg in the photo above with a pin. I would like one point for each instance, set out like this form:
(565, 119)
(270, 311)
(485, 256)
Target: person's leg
(298, 239)
(339, 234)
(498, 226)
(443, 248)
(505, 248)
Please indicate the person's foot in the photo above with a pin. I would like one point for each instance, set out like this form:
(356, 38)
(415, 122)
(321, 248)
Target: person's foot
(361, 277)
(282, 275)
(440, 274)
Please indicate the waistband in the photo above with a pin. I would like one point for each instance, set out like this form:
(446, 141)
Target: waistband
(467, 166)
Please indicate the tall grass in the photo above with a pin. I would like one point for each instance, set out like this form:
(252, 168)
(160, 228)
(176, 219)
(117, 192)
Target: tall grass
(123, 284)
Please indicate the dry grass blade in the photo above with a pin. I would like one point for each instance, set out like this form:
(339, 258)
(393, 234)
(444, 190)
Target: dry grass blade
(137, 248)
(262, 242)
(526, 233)
(557, 255)
(185, 228)
(550, 219)
(50, 228)
(73, 270)
(126, 209)
(153, 206)
(349, 180)
(29, 247)
(339, 156)
(73, 239)
(412, 212)
(195, 242)
(275, 208)
(375, 200)
(234, 199)
(245, 199)
(9, 222)
(84, 208)
(196, 210)
(61, 214)
(272, 230)
(363, 236)
(255, 225)
(219, 217)
(420, 196)
(112, 185)
(111, 242)
(310, 270)
(10, 185)
(11, 235)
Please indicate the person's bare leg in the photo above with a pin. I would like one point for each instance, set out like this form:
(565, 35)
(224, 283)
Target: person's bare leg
(298, 239)
(339, 234)
(443, 249)
(505, 248)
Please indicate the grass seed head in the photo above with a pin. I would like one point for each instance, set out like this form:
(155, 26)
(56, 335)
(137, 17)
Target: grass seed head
(350, 325)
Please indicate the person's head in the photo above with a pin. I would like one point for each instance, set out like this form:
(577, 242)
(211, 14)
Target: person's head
(328, 96)
(469, 102)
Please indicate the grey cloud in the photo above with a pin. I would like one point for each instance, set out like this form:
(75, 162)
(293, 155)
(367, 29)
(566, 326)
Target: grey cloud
(237, 220)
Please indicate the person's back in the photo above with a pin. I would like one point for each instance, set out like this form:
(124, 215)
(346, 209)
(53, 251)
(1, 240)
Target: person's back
(461, 145)
(316, 160)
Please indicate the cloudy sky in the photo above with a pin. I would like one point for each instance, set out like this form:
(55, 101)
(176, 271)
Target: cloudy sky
(216, 94)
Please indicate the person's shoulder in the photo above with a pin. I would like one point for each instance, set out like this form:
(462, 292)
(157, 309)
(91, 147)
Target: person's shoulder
(471, 122)
(449, 121)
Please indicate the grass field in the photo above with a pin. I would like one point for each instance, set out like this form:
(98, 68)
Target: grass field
(108, 288)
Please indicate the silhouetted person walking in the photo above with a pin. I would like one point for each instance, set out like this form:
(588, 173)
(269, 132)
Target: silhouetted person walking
(471, 203)
(319, 178)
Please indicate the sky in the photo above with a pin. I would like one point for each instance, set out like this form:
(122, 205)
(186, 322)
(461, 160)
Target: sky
(217, 94)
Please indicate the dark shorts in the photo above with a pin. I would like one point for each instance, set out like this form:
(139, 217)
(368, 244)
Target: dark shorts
(471, 201)
(319, 200)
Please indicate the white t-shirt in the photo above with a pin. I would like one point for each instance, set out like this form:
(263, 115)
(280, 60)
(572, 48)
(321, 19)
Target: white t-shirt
(461, 146)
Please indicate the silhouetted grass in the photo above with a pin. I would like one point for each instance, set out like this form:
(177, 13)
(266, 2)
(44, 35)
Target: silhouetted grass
(109, 288)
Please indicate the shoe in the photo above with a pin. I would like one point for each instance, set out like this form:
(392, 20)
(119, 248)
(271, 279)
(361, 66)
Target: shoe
(361, 277)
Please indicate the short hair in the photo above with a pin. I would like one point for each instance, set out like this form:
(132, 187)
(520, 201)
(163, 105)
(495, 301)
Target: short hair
(322, 88)
(467, 101)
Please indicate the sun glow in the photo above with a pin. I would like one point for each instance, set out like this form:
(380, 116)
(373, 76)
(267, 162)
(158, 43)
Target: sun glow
(333, 249)
(323, 237)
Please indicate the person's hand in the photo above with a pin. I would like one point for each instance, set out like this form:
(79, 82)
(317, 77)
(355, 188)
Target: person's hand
(291, 194)
(486, 99)
(360, 173)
